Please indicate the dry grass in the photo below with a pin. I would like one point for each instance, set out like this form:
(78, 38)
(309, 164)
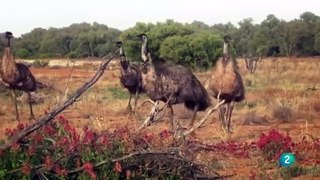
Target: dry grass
(289, 92)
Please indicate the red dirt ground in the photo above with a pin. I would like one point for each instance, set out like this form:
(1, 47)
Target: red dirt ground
(111, 115)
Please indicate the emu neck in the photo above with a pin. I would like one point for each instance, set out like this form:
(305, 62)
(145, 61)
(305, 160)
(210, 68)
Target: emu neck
(226, 49)
(8, 68)
(144, 51)
(124, 63)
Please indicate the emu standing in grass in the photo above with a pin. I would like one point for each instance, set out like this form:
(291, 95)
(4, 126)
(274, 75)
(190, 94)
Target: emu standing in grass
(130, 77)
(16, 75)
(252, 62)
(172, 84)
(226, 83)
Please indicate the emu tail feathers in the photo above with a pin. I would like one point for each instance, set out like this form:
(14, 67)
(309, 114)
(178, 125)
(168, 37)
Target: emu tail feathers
(199, 97)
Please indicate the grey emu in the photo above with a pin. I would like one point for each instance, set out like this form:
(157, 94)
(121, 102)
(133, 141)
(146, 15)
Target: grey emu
(172, 84)
(16, 75)
(130, 77)
(226, 84)
(252, 62)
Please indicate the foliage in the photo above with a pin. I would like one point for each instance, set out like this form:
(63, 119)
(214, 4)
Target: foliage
(61, 151)
(273, 144)
(77, 40)
(197, 44)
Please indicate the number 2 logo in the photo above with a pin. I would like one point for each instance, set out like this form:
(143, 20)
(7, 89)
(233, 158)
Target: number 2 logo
(287, 159)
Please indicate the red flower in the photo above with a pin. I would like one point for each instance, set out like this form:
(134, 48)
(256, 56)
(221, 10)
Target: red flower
(88, 137)
(117, 167)
(88, 168)
(26, 169)
(63, 172)
(85, 128)
(60, 171)
(15, 146)
(30, 151)
(49, 130)
(104, 140)
(9, 132)
(62, 119)
(38, 138)
(128, 174)
(165, 134)
(48, 163)
(20, 126)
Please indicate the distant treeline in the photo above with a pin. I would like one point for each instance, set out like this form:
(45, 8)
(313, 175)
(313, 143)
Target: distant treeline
(197, 44)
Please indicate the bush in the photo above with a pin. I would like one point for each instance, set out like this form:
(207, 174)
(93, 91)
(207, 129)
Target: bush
(60, 151)
(41, 63)
(282, 112)
(22, 53)
(274, 144)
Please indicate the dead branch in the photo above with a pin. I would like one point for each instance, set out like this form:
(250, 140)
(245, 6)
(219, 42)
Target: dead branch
(67, 84)
(60, 108)
(138, 153)
(154, 111)
(153, 160)
(151, 115)
(204, 119)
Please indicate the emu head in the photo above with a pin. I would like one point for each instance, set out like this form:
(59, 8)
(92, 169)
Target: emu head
(144, 47)
(145, 55)
(5, 39)
(226, 45)
(123, 60)
(119, 44)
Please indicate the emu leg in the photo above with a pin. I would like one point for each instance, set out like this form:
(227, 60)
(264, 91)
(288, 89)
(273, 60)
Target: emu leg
(195, 110)
(129, 104)
(171, 119)
(229, 114)
(222, 116)
(14, 98)
(136, 100)
(30, 106)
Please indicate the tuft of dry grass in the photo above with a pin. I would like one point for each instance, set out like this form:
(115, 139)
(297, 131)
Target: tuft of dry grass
(252, 118)
(282, 112)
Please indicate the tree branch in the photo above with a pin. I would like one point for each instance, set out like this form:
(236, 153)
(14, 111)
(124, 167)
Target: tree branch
(60, 108)
(204, 119)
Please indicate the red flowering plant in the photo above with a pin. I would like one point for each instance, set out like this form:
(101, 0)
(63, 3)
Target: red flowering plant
(57, 150)
(273, 144)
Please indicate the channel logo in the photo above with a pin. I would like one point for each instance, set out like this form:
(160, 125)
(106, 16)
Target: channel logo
(287, 159)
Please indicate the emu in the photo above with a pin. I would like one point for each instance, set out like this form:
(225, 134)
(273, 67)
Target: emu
(226, 84)
(172, 84)
(16, 75)
(130, 77)
(252, 62)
